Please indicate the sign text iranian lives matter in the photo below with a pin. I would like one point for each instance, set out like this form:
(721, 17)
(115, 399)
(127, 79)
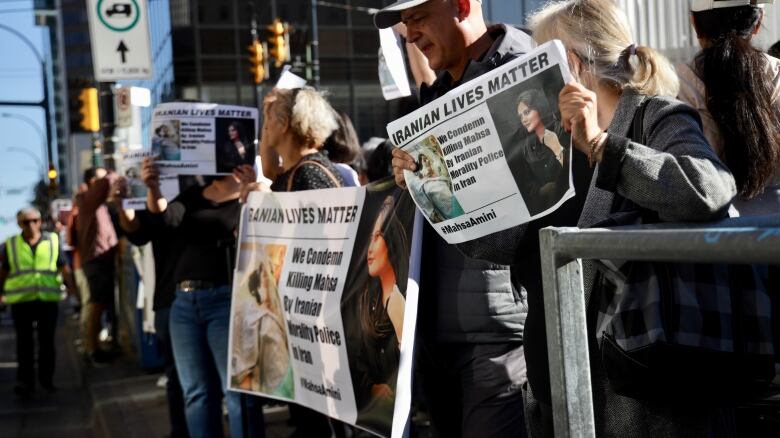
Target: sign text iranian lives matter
(322, 313)
(492, 153)
(203, 138)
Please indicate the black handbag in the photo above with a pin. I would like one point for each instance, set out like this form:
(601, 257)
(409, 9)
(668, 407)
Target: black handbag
(681, 332)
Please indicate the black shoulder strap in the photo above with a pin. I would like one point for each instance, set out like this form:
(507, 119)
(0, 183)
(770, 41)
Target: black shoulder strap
(638, 123)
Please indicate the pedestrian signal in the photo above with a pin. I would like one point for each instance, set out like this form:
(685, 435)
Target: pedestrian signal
(88, 107)
(279, 42)
(257, 62)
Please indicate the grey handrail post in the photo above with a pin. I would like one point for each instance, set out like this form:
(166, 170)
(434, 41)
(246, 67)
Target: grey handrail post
(567, 346)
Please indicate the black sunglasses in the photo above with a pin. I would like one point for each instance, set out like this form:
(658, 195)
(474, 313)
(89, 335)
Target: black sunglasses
(30, 221)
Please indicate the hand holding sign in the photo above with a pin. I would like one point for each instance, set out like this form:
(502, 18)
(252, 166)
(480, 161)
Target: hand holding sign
(579, 114)
(402, 161)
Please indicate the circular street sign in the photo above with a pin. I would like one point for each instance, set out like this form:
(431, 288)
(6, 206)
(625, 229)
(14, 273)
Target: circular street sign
(118, 15)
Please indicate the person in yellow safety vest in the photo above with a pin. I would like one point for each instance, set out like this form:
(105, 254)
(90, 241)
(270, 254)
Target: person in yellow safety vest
(33, 268)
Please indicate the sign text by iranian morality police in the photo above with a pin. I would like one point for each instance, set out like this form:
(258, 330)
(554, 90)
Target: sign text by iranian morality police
(322, 312)
(491, 154)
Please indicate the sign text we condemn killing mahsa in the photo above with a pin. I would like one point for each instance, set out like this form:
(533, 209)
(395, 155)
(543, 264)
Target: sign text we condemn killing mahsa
(491, 154)
(323, 312)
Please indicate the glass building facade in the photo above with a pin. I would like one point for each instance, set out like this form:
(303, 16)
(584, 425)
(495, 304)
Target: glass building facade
(210, 39)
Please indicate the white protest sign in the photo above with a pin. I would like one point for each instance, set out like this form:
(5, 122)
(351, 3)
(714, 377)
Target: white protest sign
(119, 35)
(203, 138)
(289, 80)
(130, 169)
(323, 313)
(491, 154)
(392, 70)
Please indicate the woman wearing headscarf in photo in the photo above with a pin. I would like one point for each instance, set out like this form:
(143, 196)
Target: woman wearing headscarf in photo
(381, 313)
(544, 150)
(433, 191)
(261, 359)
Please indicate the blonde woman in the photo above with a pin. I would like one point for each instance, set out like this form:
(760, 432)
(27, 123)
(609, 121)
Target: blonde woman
(296, 124)
(668, 170)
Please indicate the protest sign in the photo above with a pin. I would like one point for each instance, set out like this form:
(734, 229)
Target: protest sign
(491, 154)
(130, 169)
(203, 138)
(322, 313)
(392, 68)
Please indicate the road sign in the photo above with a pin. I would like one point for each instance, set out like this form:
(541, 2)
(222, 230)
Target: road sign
(120, 39)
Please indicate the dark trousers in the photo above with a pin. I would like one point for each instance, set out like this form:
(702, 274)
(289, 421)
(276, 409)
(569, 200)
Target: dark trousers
(28, 317)
(173, 388)
(473, 390)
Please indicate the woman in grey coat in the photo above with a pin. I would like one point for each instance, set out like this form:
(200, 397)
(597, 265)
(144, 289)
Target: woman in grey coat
(672, 172)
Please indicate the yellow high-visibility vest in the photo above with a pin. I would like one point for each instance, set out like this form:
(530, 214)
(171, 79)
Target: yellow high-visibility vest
(32, 276)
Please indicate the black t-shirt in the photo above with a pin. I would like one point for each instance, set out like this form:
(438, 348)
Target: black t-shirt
(164, 243)
(309, 176)
(205, 236)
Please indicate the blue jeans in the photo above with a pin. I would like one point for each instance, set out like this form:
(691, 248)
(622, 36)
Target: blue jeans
(200, 322)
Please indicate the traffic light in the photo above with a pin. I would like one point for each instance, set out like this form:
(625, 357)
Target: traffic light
(279, 42)
(88, 107)
(257, 61)
(52, 174)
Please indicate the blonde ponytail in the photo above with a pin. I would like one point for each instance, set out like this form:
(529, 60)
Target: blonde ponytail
(653, 74)
(598, 32)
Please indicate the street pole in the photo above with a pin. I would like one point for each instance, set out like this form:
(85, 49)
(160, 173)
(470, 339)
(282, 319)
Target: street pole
(315, 45)
(45, 102)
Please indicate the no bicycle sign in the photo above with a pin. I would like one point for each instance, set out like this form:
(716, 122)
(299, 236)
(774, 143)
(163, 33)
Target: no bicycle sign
(120, 39)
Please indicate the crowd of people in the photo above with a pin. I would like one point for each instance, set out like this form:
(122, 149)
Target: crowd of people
(689, 143)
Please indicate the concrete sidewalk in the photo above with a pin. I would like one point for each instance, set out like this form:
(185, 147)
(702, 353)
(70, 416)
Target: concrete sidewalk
(115, 401)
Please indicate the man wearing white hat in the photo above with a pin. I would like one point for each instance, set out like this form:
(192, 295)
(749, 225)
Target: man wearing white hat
(471, 317)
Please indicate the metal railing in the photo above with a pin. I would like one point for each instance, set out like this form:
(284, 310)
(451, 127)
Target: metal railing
(750, 240)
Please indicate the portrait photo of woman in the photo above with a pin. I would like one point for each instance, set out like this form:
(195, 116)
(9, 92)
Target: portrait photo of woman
(237, 149)
(261, 359)
(381, 316)
(543, 147)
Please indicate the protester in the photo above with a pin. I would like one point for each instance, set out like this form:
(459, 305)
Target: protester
(736, 89)
(296, 124)
(379, 162)
(343, 148)
(29, 282)
(144, 227)
(615, 78)
(96, 244)
(204, 220)
(471, 316)
(82, 285)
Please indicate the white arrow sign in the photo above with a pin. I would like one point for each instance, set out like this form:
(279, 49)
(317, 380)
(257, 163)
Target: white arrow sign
(120, 39)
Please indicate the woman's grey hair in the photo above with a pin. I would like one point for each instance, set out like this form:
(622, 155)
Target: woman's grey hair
(597, 31)
(307, 111)
(27, 210)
